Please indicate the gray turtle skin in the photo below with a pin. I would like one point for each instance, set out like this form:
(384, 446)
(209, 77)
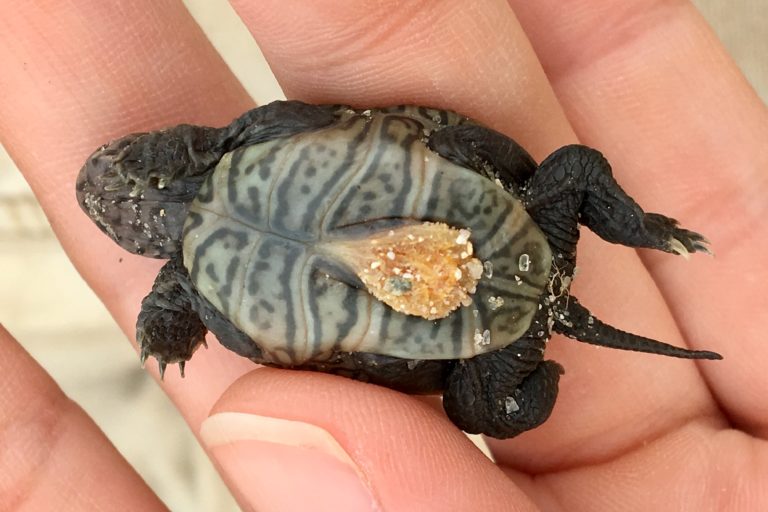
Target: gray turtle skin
(250, 216)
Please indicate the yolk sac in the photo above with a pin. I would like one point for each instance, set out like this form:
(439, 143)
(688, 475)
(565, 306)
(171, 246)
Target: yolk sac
(425, 269)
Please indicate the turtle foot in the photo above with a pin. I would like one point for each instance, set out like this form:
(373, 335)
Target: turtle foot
(677, 240)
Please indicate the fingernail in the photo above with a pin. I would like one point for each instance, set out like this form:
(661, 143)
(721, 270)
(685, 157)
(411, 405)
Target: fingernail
(275, 464)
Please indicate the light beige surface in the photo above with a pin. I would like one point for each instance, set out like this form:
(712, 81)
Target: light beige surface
(46, 305)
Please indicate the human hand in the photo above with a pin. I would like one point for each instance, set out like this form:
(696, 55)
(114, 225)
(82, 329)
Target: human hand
(648, 86)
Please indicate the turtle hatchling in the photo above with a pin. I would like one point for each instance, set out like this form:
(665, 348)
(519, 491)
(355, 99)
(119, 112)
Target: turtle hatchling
(408, 247)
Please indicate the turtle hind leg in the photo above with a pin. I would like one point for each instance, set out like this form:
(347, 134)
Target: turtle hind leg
(575, 183)
(487, 152)
(168, 328)
(503, 393)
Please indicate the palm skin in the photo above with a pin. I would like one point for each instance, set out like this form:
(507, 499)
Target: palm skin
(647, 85)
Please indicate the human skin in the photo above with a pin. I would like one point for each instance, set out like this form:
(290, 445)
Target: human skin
(645, 82)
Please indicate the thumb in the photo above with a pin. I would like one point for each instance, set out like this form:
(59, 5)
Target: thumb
(303, 441)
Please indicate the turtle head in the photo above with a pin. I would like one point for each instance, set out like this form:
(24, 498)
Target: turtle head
(135, 196)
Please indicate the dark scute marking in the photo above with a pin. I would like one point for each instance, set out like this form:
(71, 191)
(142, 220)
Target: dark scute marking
(225, 292)
(316, 290)
(369, 195)
(265, 326)
(433, 203)
(365, 210)
(249, 170)
(233, 177)
(210, 270)
(381, 146)
(516, 313)
(267, 161)
(506, 294)
(219, 234)
(331, 181)
(348, 305)
(461, 195)
(311, 170)
(262, 266)
(264, 170)
(269, 308)
(501, 218)
(516, 237)
(327, 275)
(407, 144)
(305, 189)
(287, 293)
(251, 209)
(511, 311)
(253, 287)
(283, 204)
(264, 252)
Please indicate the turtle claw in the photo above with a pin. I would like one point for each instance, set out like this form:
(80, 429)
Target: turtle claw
(162, 364)
(665, 233)
(679, 248)
(684, 243)
(700, 243)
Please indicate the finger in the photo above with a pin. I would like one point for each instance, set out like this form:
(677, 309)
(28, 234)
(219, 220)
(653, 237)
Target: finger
(695, 467)
(474, 57)
(52, 452)
(352, 446)
(369, 54)
(74, 78)
(648, 83)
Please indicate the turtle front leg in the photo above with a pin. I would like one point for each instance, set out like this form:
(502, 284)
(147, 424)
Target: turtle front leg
(505, 392)
(168, 328)
(575, 184)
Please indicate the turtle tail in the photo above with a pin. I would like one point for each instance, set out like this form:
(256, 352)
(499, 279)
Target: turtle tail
(578, 323)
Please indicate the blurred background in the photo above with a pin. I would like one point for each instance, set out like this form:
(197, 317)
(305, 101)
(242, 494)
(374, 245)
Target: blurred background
(52, 312)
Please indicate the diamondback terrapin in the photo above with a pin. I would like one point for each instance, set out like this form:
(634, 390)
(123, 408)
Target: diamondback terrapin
(406, 246)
